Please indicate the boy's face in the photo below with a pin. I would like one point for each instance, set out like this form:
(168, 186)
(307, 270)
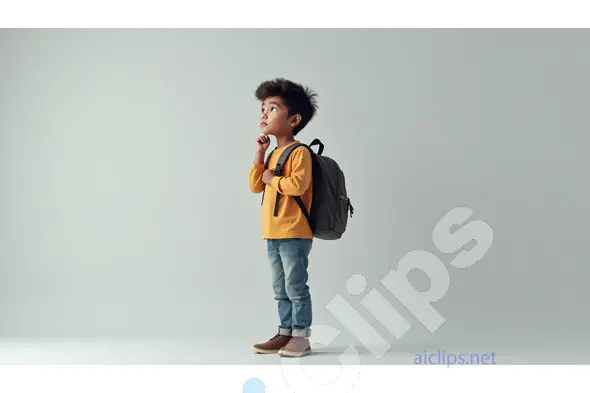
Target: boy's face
(274, 119)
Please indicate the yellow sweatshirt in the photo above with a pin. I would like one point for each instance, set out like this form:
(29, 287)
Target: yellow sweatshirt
(290, 221)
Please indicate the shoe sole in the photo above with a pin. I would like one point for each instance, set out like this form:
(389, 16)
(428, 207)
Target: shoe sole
(265, 351)
(290, 354)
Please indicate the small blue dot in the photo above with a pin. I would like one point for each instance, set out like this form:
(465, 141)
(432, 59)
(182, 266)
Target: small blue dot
(253, 385)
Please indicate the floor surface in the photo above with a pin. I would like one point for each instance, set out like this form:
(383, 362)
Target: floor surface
(223, 352)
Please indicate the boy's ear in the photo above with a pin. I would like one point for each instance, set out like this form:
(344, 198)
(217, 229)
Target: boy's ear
(295, 120)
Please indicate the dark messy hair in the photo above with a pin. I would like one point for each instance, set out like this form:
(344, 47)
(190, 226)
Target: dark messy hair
(297, 98)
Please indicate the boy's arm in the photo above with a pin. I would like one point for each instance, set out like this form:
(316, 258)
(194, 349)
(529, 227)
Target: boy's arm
(255, 178)
(300, 178)
(257, 170)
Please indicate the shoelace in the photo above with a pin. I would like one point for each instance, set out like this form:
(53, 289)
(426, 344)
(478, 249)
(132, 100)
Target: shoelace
(275, 337)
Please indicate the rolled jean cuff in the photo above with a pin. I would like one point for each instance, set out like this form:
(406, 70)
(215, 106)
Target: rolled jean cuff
(301, 333)
(284, 331)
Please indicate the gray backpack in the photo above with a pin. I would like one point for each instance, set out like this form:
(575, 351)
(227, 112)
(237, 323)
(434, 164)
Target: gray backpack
(330, 203)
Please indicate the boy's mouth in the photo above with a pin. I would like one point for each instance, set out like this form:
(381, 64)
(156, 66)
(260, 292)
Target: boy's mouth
(263, 124)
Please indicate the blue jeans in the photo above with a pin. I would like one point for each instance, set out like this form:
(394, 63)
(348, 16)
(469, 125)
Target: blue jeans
(289, 261)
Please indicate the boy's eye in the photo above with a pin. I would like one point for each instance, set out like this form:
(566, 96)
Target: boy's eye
(273, 109)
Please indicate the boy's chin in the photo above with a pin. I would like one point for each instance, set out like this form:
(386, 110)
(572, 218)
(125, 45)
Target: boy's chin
(272, 133)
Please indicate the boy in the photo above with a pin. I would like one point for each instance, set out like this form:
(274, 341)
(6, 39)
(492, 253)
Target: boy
(287, 108)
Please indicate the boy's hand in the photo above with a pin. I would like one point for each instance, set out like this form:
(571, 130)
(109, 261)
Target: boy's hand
(262, 143)
(267, 176)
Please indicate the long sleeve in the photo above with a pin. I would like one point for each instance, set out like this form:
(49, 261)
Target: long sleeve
(300, 178)
(255, 178)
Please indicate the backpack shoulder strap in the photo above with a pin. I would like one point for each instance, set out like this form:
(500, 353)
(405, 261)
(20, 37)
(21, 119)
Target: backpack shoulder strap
(268, 158)
(284, 156)
(279, 169)
(265, 168)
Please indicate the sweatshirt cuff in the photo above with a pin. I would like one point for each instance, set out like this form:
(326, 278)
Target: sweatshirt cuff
(259, 167)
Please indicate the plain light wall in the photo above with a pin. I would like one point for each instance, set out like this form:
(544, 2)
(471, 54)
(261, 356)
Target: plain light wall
(125, 209)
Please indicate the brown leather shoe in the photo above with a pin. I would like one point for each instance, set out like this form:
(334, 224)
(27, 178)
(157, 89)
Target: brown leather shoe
(273, 345)
(296, 347)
